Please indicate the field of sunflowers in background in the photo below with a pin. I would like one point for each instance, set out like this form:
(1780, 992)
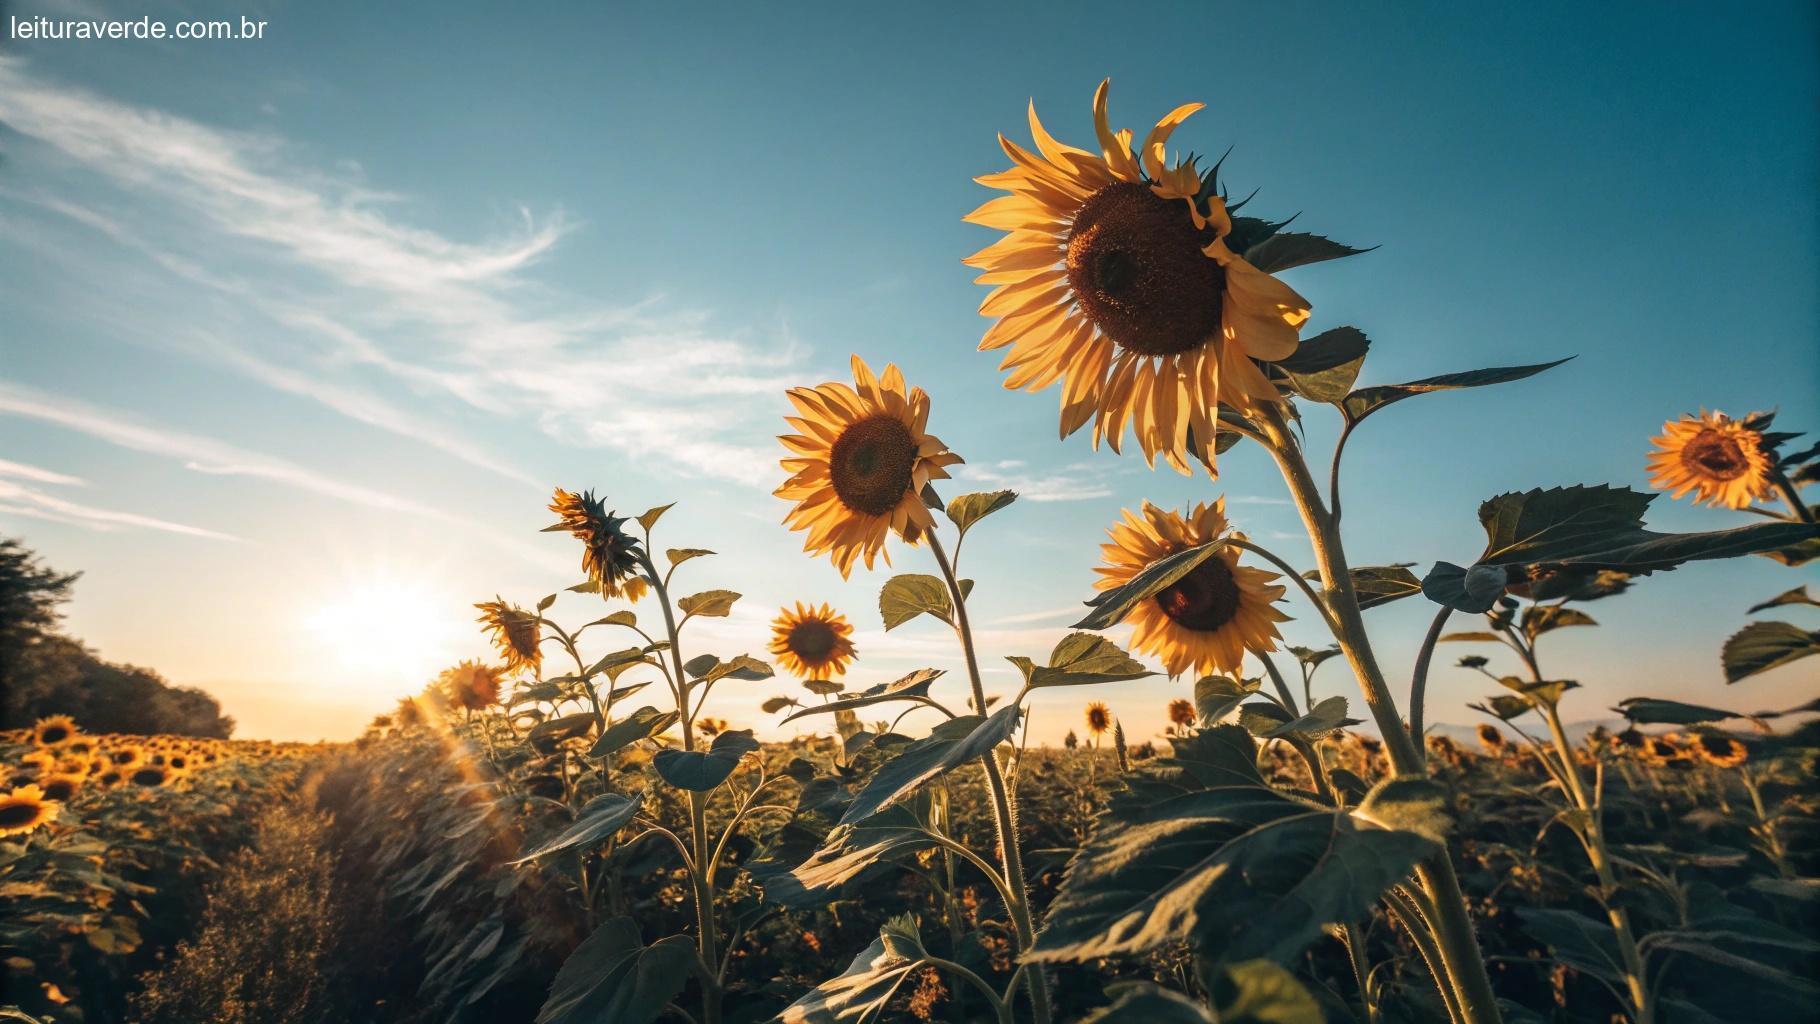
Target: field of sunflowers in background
(571, 831)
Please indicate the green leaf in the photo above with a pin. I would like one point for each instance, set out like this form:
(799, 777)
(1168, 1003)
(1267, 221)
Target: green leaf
(968, 509)
(599, 818)
(613, 976)
(1143, 1003)
(699, 665)
(1365, 401)
(700, 771)
(1288, 249)
(1381, 584)
(1762, 646)
(1198, 850)
(1506, 707)
(1652, 711)
(1576, 940)
(952, 744)
(1546, 693)
(642, 724)
(1216, 696)
(1324, 367)
(623, 617)
(905, 597)
(1412, 804)
(1543, 618)
(773, 705)
(545, 604)
(860, 992)
(544, 736)
(1471, 638)
(712, 603)
(677, 556)
(740, 666)
(909, 687)
(1799, 595)
(1261, 992)
(1320, 720)
(1473, 589)
(1798, 553)
(618, 659)
(1082, 658)
(848, 851)
(652, 515)
(1111, 607)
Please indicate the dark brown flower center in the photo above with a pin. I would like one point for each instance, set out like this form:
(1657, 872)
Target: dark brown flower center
(1136, 268)
(1205, 599)
(13, 815)
(54, 734)
(149, 777)
(812, 641)
(123, 757)
(872, 463)
(58, 789)
(1714, 454)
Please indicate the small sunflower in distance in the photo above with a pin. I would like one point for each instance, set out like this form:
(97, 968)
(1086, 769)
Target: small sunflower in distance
(1209, 618)
(859, 466)
(1720, 751)
(1116, 280)
(1490, 738)
(609, 554)
(812, 643)
(54, 731)
(24, 809)
(1099, 718)
(516, 634)
(1719, 459)
(472, 685)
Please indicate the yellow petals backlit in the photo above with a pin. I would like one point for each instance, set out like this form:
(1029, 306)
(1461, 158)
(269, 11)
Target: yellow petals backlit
(516, 634)
(812, 643)
(859, 465)
(1210, 618)
(1717, 458)
(1114, 279)
(24, 809)
(54, 731)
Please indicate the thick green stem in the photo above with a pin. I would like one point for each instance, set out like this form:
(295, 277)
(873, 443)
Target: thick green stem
(1003, 816)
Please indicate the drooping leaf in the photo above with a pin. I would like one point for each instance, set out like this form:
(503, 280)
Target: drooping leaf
(909, 687)
(1111, 607)
(1320, 720)
(701, 770)
(1543, 618)
(1287, 249)
(1798, 553)
(1216, 696)
(1799, 595)
(1365, 401)
(857, 994)
(968, 509)
(598, 819)
(1652, 711)
(773, 705)
(1381, 584)
(1082, 658)
(544, 736)
(710, 603)
(1762, 646)
(678, 556)
(613, 976)
(950, 745)
(848, 851)
(1198, 850)
(1324, 367)
(1473, 589)
(905, 597)
(642, 724)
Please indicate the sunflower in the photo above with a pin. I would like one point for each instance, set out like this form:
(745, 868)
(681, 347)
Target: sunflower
(24, 809)
(1720, 751)
(38, 760)
(472, 685)
(1181, 713)
(110, 778)
(127, 756)
(1209, 618)
(516, 633)
(609, 555)
(151, 775)
(54, 731)
(60, 786)
(812, 643)
(1719, 459)
(1115, 278)
(1492, 739)
(1099, 719)
(860, 464)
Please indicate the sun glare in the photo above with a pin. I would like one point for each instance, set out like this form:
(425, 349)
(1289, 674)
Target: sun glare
(385, 629)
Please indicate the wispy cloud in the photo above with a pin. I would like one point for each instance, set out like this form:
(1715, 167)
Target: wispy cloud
(21, 471)
(20, 500)
(1076, 481)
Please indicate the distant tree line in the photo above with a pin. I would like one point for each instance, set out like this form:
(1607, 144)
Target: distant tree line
(43, 672)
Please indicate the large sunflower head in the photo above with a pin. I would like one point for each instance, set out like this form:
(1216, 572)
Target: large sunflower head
(1209, 618)
(516, 634)
(60, 786)
(609, 555)
(24, 809)
(812, 643)
(860, 464)
(1115, 279)
(472, 685)
(54, 731)
(1718, 458)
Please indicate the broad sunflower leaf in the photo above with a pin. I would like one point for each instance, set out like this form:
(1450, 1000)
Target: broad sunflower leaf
(598, 819)
(642, 724)
(968, 509)
(623, 617)
(678, 556)
(701, 770)
(1576, 940)
(740, 666)
(952, 744)
(1548, 692)
(1798, 553)
(1320, 720)
(1799, 595)
(1543, 618)
(711, 603)
(1288, 249)
(824, 687)
(1144, 1003)
(544, 736)
(1652, 711)
(699, 665)
(773, 705)
(861, 991)
(1198, 850)
(1411, 803)
(1111, 607)
(1324, 367)
(1262, 992)
(1082, 658)
(1762, 646)
(613, 976)
(909, 687)
(1365, 401)
(1381, 584)
(618, 659)
(848, 851)
(905, 597)
(652, 515)
(1216, 696)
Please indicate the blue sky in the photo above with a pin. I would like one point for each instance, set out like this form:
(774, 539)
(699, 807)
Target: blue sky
(306, 326)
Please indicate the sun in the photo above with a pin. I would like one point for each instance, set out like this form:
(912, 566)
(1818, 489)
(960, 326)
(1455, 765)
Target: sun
(381, 627)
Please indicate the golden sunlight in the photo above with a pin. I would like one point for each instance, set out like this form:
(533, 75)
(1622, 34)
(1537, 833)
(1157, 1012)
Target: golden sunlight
(382, 628)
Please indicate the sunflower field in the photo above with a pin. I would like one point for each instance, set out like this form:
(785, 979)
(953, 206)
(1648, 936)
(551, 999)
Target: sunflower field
(567, 833)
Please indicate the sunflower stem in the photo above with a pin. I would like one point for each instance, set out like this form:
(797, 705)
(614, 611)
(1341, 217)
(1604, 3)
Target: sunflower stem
(1418, 680)
(1460, 954)
(1004, 819)
(1786, 488)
